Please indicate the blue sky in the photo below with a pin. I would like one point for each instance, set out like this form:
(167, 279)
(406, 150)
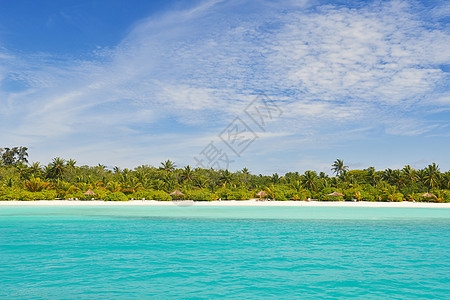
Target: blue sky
(138, 82)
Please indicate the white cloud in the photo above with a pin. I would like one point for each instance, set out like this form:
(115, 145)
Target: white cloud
(408, 127)
(441, 11)
(375, 54)
(332, 67)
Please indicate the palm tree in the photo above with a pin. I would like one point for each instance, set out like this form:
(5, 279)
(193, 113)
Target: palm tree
(170, 184)
(446, 180)
(62, 188)
(168, 165)
(35, 184)
(275, 178)
(124, 177)
(141, 177)
(158, 184)
(201, 181)
(397, 178)
(421, 175)
(23, 170)
(244, 176)
(271, 191)
(187, 174)
(100, 167)
(371, 176)
(351, 179)
(388, 175)
(226, 177)
(338, 167)
(325, 182)
(132, 185)
(432, 176)
(57, 168)
(410, 174)
(345, 176)
(36, 169)
(309, 180)
(71, 163)
(322, 175)
(114, 186)
(334, 181)
(296, 185)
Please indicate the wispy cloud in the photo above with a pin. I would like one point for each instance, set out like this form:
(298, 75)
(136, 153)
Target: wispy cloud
(328, 66)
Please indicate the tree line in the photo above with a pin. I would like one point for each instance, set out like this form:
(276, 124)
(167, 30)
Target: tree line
(64, 179)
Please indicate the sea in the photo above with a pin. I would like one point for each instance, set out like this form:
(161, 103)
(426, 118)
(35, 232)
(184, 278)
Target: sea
(209, 252)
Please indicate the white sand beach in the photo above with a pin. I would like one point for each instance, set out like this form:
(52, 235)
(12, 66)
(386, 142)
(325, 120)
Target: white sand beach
(227, 203)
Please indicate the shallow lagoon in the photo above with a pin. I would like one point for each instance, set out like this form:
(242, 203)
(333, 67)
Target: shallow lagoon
(231, 252)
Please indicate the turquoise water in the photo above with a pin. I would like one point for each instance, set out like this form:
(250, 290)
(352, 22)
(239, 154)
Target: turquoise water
(224, 252)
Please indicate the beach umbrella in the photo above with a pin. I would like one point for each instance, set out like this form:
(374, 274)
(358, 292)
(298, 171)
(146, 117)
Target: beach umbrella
(89, 193)
(261, 194)
(176, 193)
(428, 195)
(335, 194)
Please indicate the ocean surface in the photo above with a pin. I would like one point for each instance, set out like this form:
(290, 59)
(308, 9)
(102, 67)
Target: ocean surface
(203, 252)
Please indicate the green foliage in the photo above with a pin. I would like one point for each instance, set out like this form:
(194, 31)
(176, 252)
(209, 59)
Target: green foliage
(356, 193)
(160, 195)
(200, 195)
(443, 195)
(64, 179)
(117, 196)
(46, 195)
(275, 193)
(35, 184)
(223, 193)
(394, 197)
(75, 195)
(100, 194)
(359, 175)
(239, 194)
(296, 195)
(13, 156)
(150, 195)
(24, 195)
(9, 194)
(141, 194)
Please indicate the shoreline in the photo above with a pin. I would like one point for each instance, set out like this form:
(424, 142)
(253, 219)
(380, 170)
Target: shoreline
(225, 203)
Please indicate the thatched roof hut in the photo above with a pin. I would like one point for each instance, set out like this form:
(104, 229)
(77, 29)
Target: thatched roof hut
(335, 194)
(89, 192)
(428, 195)
(176, 193)
(261, 194)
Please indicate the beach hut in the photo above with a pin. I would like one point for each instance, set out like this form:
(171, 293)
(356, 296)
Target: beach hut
(428, 195)
(89, 192)
(176, 193)
(335, 194)
(261, 194)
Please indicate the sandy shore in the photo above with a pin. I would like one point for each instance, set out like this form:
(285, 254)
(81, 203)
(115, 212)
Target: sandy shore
(226, 203)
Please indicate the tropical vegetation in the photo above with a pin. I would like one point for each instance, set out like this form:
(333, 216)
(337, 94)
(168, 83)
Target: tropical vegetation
(64, 179)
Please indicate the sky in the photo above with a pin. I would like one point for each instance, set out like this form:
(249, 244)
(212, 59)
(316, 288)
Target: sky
(274, 86)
